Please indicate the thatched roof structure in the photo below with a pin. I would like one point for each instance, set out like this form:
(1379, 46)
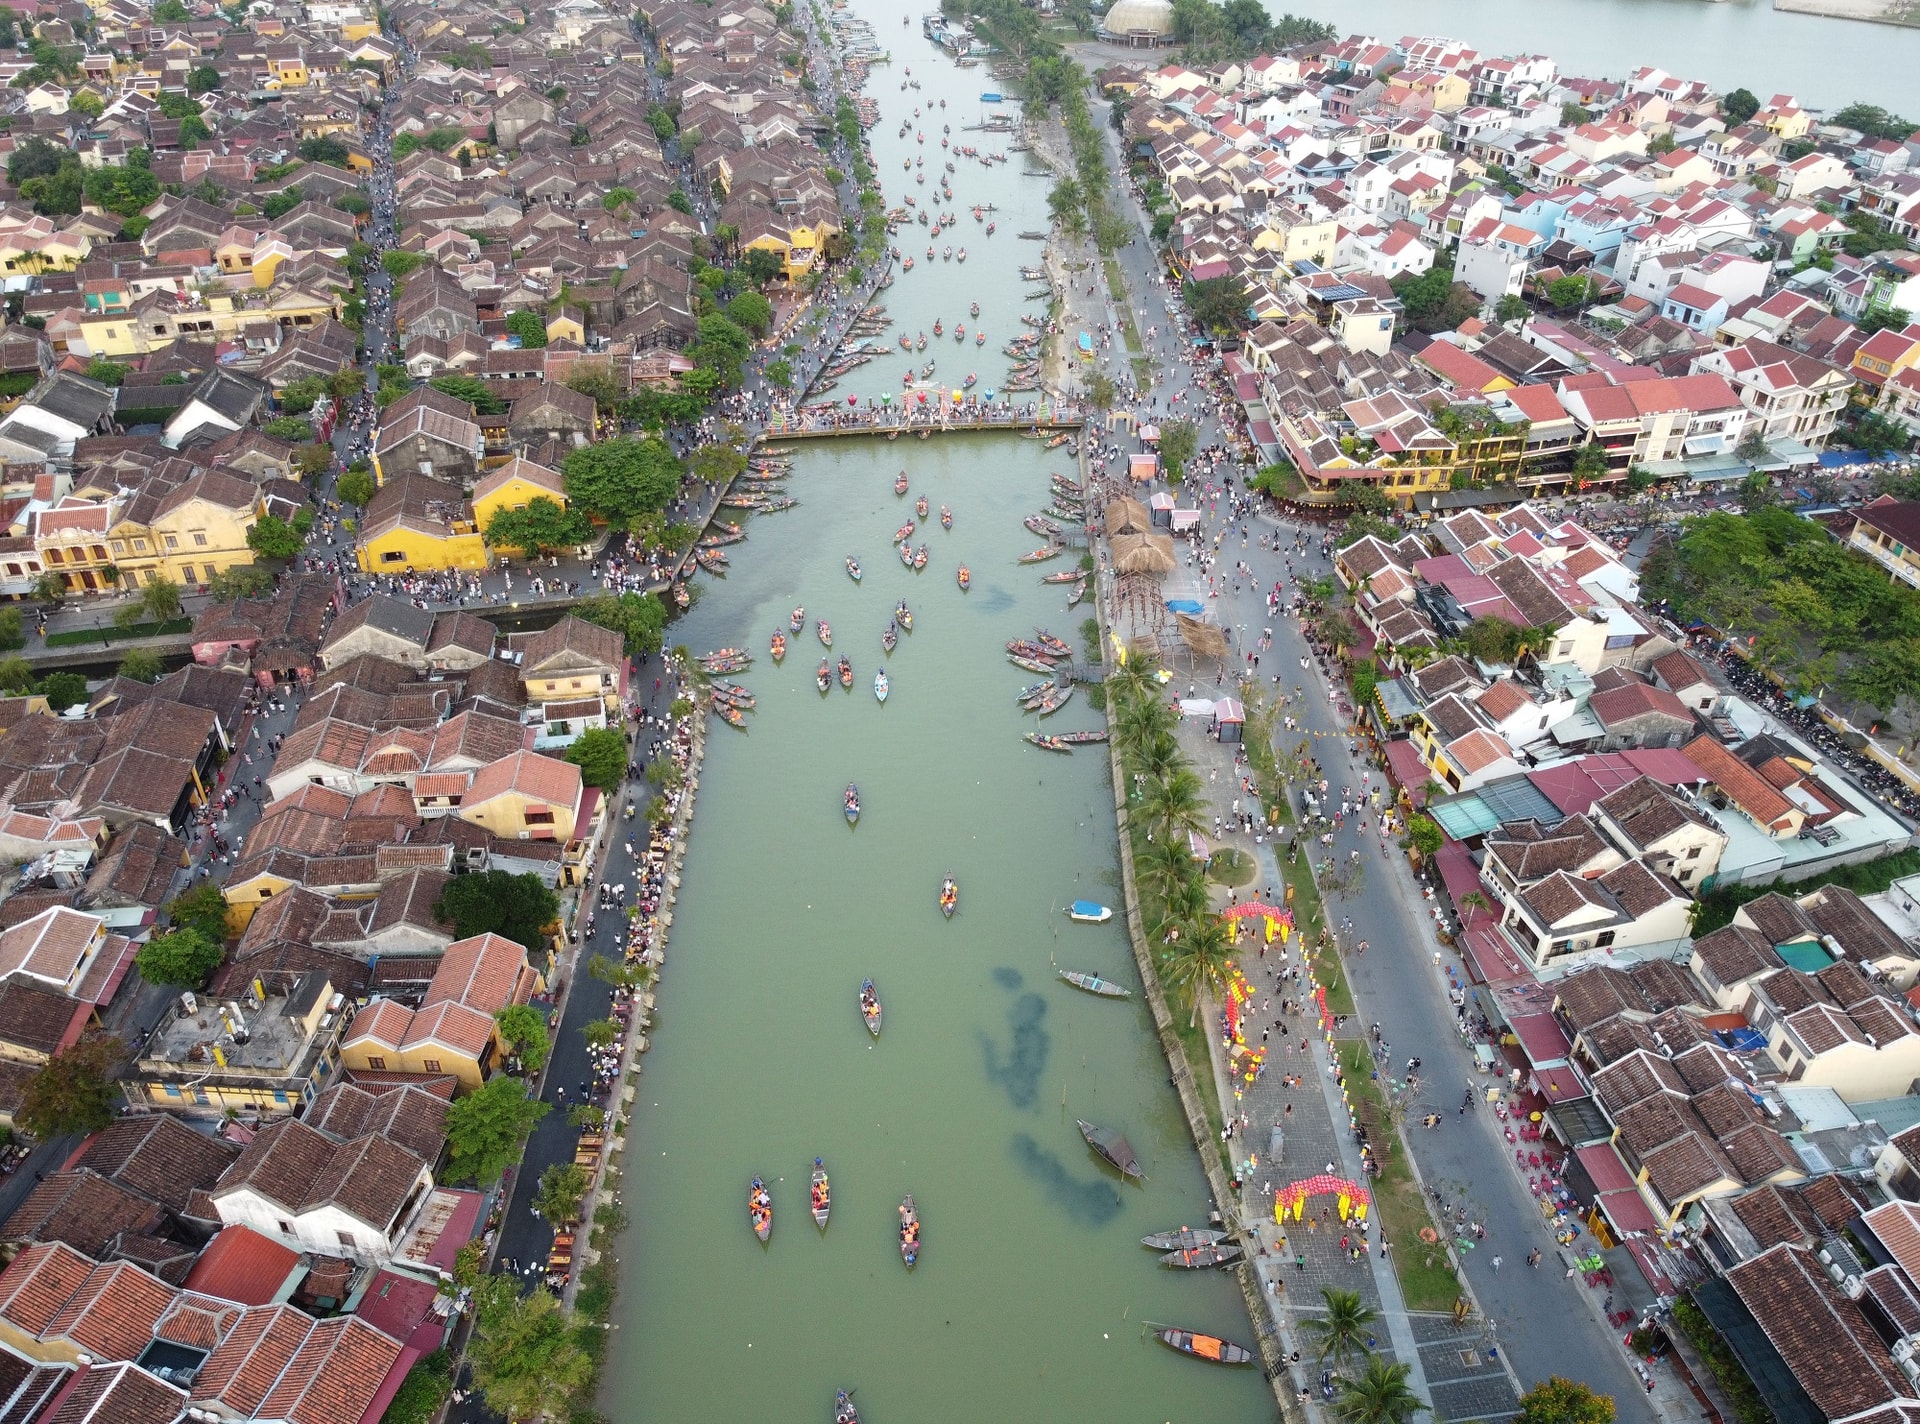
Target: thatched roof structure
(1128, 516)
(1205, 640)
(1144, 554)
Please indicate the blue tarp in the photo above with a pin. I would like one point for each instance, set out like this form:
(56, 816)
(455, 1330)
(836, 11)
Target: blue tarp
(1742, 1040)
(1834, 459)
(1185, 605)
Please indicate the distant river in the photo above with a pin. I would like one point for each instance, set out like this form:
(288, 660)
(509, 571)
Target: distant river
(1824, 63)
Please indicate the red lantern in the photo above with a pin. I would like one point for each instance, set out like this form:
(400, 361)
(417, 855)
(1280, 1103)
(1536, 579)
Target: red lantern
(853, 400)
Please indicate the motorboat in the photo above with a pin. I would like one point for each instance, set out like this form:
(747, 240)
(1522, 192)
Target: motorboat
(778, 646)
(846, 672)
(909, 1231)
(1185, 1239)
(824, 677)
(946, 515)
(900, 484)
(890, 639)
(903, 615)
(843, 1410)
(825, 633)
(1088, 912)
(920, 506)
(853, 568)
(965, 578)
(822, 1194)
(797, 621)
(880, 686)
(949, 897)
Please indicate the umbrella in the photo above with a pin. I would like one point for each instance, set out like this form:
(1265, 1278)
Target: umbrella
(1185, 605)
(887, 398)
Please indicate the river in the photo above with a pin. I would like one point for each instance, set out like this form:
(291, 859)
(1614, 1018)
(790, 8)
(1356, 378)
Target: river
(1030, 1295)
(1824, 63)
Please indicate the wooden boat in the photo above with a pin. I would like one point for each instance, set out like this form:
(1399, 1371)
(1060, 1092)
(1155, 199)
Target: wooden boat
(1094, 984)
(1032, 690)
(974, 308)
(964, 577)
(728, 713)
(870, 1007)
(682, 599)
(826, 633)
(880, 686)
(1056, 646)
(778, 646)
(920, 506)
(1040, 556)
(949, 897)
(1081, 739)
(725, 660)
(824, 677)
(904, 617)
(1053, 701)
(1185, 1239)
(740, 501)
(797, 620)
(760, 1209)
(775, 506)
(1089, 912)
(1206, 1347)
(843, 1410)
(732, 694)
(1027, 648)
(1199, 1258)
(1048, 744)
(890, 639)
(920, 558)
(1041, 525)
(1064, 576)
(937, 327)
(900, 484)
(1079, 592)
(904, 532)
(822, 1194)
(909, 1231)
(712, 560)
(846, 673)
(1112, 1146)
(853, 568)
(1029, 664)
(906, 556)
(852, 803)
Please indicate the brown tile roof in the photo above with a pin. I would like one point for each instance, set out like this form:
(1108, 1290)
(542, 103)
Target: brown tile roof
(570, 642)
(243, 1367)
(294, 1165)
(120, 1393)
(112, 1315)
(1774, 1214)
(406, 1113)
(158, 1156)
(81, 1208)
(1647, 811)
(540, 778)
(1734, 953)
(1823, 1338)
(1633, 1078)
(1621, 705)
(334, 1375)
(1747, 788)
(39, 1282)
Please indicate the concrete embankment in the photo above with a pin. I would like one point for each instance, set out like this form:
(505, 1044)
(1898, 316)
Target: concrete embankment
(1879, 12)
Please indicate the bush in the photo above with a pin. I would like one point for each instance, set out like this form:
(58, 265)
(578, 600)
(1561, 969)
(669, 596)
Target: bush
(1727, 1371)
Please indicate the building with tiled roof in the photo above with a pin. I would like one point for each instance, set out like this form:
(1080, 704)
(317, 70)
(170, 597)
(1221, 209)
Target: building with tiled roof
(264, 1056)
(453, 1029)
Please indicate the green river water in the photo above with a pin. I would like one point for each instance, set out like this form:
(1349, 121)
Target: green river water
(1031, 1289)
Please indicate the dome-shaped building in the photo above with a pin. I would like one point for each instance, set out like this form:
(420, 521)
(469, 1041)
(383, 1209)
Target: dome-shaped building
(1141, 23)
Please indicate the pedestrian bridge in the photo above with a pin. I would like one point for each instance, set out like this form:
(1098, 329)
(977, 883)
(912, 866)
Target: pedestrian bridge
(892, 425)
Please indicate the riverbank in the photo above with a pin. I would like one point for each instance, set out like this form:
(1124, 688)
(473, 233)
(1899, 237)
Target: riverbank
(1904, 13)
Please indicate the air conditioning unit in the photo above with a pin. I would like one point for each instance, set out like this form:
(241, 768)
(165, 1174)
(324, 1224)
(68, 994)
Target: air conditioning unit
(1903, 1349)
(1583, 944)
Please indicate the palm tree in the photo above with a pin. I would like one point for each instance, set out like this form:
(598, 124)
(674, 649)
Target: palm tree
(1156, 757)
(1474, 900)
(1160, 866)
(1173, 805)
(1138, 721)
(1379, 1396)
(1181, 906)
(1131, 680)
(1343, 1331)
(1198, 962)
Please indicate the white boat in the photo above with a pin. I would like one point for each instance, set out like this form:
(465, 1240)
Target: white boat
(880, 686)
(1088, 912)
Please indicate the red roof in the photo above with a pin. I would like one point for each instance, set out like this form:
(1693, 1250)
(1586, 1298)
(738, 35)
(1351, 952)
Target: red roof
(400, 1305)
(243, 1266)
(1604, 1166)
(1543, 1039)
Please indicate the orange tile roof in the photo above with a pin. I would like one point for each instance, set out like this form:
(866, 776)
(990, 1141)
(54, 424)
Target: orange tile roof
(242, 1265)
(1747, 787)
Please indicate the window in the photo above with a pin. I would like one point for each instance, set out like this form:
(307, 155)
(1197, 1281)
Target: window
(393, 556)
(140, 546)
(1604, 938)
(200, 538)
(266, 891)
(431, 1065)
(1565, 649)
(376, 1064)
(54, 556)
(172, 543)
(14, 569)
(119, 546)
(346, 1239)
(286, 1228)
(1693, 853)
(539, 817)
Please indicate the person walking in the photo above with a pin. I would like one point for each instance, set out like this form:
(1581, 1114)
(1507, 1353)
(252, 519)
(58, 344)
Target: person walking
(1496, 1263)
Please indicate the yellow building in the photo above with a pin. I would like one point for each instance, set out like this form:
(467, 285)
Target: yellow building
(574, 659)
(567, 325)
(526, 796)
(195, 531)
(418, 522)
(797, 246)
(454, 1030)
(514, 485)
(71, 539)
(1294, 237)
(270, 1055)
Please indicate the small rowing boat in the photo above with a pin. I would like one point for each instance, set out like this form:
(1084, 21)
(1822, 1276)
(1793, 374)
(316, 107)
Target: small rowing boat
(1056, 646)
(1040, 556)
(1031, 691)
(900, 484)
(1048, 744)
(1027, 664)
(1064, 576)
(920, 506)
(949, 897)
(760, 1209)
(1185, 1239)
(964, 577)
(1111, 1146)
(1052, 702)
(890, 639)
(725, 660)
(822, 1194)
(1088, 912)
(904, 617)
(904, 532)
(846, 672)
(825, 633)
(778, 646)
(843, 1410)
(852, 803)
(1081, 739)
(880, 686)
(909, 1231)
(853, 568)
(920, 558)
(824, 677)
(906, 556)
(1206, 1347)
(1199, 1258)
(797, 620)
(1094, 984)
(870, 1007)
(946, 518)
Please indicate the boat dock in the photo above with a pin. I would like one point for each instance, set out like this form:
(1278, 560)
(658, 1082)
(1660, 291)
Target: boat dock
(840, 427)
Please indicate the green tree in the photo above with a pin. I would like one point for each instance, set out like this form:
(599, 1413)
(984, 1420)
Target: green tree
(1492, 639)
(202, 909)
(289, 428)
(596, 379)
(1196, 963)
(471, 389)
(1358, 526)
(355, 487)
(1510, 308)
(1573, 115)
(12, 630)
(1342, 1332)
(1564, 1401)
(274, 538)
(602, 1033)
(779, 373)
(1424, 835)
(563, 1188)
(16, 676)
(1739, 105)
(716, 462)
(601, 755)
(241, 581)
(1379, 1396)
(523, 1029)
(171, 12)
(1219, 303)
(763, 266)
(423, 1392)
(1874, 122)
(751, 312)
(183, 958)
(324, 149)
(1173, 807)
(142, 665)
(107, 373)
(529, 328)
(311, 461)
(720, 347)
(537, 527)
(486, 1128)
(518, 907)
(62, 690)
(1179, 440)
(73, 1091)
(525, 1357)
(639, 618)
(87, 104)
(618, 479)
(1590, 463)
(1570, 291)
(617, 198)
(203, 79)
(400, 263)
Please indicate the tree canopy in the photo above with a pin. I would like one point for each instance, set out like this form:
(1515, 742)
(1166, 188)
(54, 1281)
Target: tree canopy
(183, 958)
(523, 1029)
(471, 389)
(202, 909)
(621, 478)
(528, 326)
(1564, 1401)
(1179, 439)
(485, 1129)
(1739, 105)
(640, 618)
(73, 1091)
(601, 755)
(542, 524)
(525, 1359)
(1219, 303)
(519, 907)
(274, 538)
(1434, 301)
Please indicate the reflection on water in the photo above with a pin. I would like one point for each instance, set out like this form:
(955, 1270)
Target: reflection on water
(1092, 1202)
(1019, 1071)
